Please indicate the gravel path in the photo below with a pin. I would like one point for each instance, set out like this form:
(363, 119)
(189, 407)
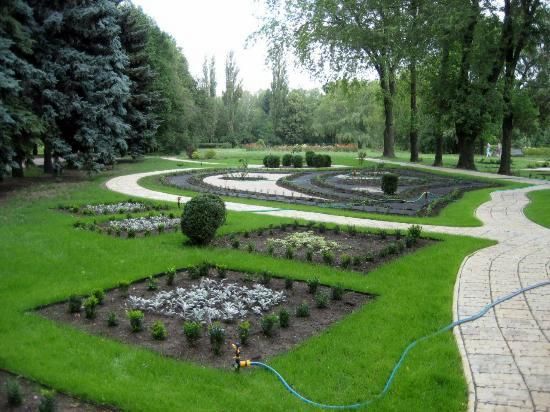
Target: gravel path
(506, 354)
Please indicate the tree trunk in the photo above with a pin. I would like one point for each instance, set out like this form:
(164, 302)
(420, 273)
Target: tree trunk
(48, 166)
(438, 161)
(506, 155)
(387, 83)
(466, 148)
(413, 133)
(18, 172)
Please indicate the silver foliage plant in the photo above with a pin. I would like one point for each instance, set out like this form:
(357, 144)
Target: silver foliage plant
(211, 300)
(122, 207)
(304, 240)
(143, 224)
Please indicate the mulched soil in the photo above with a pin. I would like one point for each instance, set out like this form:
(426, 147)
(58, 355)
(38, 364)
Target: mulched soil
(259, 346)
(358, 244)
(31, 398)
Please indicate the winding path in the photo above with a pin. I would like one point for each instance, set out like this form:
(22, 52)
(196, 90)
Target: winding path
(506, 354)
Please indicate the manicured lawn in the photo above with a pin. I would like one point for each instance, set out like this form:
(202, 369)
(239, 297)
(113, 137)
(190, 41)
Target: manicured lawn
(539, 208)
(44, 259)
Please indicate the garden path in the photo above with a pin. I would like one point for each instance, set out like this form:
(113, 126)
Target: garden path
(506, 354)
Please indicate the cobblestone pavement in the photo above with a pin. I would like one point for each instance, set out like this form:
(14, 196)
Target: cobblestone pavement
(506, 354)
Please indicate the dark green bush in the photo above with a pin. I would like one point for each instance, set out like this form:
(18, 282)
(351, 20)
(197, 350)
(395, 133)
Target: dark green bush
(123, 288)
(289, 283)
(243, 331)
(222, 271)
(235, 244)
(265, 278)
(136, 320)
(320, 160)
(289, 252)
(47, 401)
(90, 305)
(309, 255)
(250, 247)
(297, 161)
(268, 324)
(152, 283)
(302, 311)
(389, 183)
(217, 337)
(414, 232)
(158, 330)
(312, 285)
(356, 261)
(202, 217)
(192, 331)
(112, 321)
(345, 261)
(75, 303)
(409, 241)
(284, 318)
(309, 158)
(272, 161)
(13, 391)
(328, 257)
(321, 299)
(287, 160)
(337, 292)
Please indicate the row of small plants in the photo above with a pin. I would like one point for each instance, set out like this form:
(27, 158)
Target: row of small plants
(15, 397)
(129, 206)
(296, 160)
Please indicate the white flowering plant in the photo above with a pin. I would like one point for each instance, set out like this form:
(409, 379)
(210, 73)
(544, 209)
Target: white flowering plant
(114, 208)
(211, 300)
(304, 240)
(144, 224)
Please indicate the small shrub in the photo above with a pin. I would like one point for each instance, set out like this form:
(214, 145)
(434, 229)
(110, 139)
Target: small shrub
(160, 228)
(270, 250)
(309, 255)
(410, 241)
(131, 233)
(265, 278)
(356, 261)
(222, 271)
(236, 244)
(112, 320)
(268, 324)
(75, 304)
(414, 232)
(152, 283)
(246, 234)
(249, 278)
(99, 294)
(289, 283)
(322, 228)
(337, 292)
(289, 252)
(309, 158)
(382, 234)
(204, 269)
(369, 257)
(321, 299)
(170, 275)
(272, 161)
(158, 330)
(393, 249)
(287, 160)
(47, 401)
(328, 257)
(345, 261)
(389, 183)
(336, 229)
(250, 247)
(123, 288)
(284, 318)
(302, 311)
(398, 234)
(400, 246)
(90, 305)
(210, 154)
(297, 161)
(352, 230)
(136, 320)
(202, 216)
(192, 331)
(312, 285)
(13, 391)
(243, 330)
(217, 337)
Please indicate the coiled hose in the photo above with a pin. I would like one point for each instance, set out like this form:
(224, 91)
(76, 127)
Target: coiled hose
(386, 388)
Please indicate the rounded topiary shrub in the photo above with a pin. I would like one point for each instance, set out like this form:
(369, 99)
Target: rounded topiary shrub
(201, 217)
(320, 160)
(272, 161)
(389, 183)
(297, 161)
(287, 160)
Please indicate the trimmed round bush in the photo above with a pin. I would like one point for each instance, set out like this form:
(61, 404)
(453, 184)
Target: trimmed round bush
(309, 158)
(201, 218)
(297, 161)
(389, 183)
(320, 160)
(287, 160)
(272, 161)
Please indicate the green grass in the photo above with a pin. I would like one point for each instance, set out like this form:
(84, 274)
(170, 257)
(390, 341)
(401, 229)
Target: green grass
(539, 208)
(460, 213)
(45, 260)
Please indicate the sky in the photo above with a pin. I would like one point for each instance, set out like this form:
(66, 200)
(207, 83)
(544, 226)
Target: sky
(213, 28)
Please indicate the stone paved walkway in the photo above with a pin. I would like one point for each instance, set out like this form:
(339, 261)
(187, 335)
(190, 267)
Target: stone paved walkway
(506, 354)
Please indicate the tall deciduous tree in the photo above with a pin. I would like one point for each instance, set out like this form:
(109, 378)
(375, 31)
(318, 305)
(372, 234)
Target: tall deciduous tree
(233, 91)
(279, 89)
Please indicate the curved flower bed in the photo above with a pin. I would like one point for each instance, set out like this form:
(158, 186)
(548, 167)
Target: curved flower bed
(211, 300)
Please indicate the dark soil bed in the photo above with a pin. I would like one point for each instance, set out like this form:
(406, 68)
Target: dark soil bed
(370, 250)
(176, 345)
(31, 398)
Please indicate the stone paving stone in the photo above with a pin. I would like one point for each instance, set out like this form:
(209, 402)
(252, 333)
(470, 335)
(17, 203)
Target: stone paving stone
(506, 353)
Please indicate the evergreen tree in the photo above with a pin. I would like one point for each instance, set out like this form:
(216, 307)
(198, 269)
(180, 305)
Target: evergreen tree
(140, 107)
(79, 48)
